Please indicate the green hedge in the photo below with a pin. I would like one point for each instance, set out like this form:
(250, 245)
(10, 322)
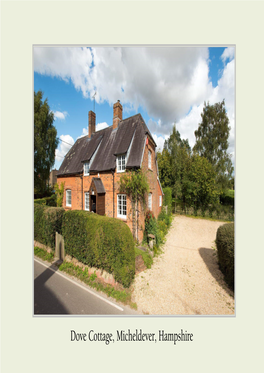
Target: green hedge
(48, 201)
(100, 242)
(47, 221)
(226, 251)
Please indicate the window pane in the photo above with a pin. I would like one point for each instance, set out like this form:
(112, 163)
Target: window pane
(121, 205)
(121, 163)
(150, 201)
(86, 168)
(87, 201)
(68, 197)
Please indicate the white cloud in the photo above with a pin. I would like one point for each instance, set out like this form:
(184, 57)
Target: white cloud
(64, 147)
(165, 80)
(159, 140)
(66, 63)
(60, 115)
(101, 126)
(84, 133)
(188, 124)
(224, 90)
(228, 54)
(170, 83)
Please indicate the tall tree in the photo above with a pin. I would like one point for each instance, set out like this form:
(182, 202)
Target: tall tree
(45, 142)
(179, 151)
(212, 141)
(199, 186)
(165, 168)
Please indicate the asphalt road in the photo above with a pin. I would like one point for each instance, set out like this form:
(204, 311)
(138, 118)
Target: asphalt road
(56, 293)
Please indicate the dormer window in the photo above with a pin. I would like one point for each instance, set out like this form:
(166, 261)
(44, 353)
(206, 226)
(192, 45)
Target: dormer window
(86, 169)
(121, 163)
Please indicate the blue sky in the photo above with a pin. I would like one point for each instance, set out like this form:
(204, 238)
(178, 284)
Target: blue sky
(166, 85)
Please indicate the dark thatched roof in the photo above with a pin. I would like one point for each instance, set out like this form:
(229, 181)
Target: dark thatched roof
(107, 143)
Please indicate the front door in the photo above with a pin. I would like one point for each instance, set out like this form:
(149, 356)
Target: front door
(93, 203)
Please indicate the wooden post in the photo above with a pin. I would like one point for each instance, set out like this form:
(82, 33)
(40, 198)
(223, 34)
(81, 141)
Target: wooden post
(59, 247)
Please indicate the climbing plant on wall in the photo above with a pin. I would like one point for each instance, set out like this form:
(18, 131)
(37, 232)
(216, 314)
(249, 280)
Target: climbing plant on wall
(59, 189)
(134, 183)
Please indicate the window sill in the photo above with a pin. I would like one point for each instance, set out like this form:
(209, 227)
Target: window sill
(123, 218)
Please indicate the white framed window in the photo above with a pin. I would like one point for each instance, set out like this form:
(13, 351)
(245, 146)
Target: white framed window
(149, 159)
(160, 201)
(87, 201)
(121, 206)
(86, 168)
(68, 197)
(121, 163)
(150, 201)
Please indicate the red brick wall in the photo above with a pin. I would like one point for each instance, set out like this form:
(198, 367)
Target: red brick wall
(79, 185)
(152, 174)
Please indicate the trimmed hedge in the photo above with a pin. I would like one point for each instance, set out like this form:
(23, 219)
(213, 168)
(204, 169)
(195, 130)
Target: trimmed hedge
(100, 242)
(49, 201)
(47, 221)
(226, 253)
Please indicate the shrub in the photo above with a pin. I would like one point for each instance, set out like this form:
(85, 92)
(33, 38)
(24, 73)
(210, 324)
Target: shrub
(164, 217)
(150, 225)
(158, 227)
(47, 221)
(227, 200)
(100, 242)
(167, 199)
(225, 251)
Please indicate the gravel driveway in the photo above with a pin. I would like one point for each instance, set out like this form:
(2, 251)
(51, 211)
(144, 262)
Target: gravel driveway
(185, 279)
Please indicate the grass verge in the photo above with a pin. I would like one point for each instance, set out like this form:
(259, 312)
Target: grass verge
(121, 295)
(147, 258)
(43, 254)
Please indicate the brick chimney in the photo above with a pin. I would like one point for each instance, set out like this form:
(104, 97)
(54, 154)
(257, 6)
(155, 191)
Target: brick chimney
(118, 114)
(91, 125)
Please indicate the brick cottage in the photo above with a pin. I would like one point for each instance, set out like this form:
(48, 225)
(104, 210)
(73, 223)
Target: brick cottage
(92, 168)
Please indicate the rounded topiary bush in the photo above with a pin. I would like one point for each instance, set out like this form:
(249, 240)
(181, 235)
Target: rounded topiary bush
(225, 243)
(100, 242)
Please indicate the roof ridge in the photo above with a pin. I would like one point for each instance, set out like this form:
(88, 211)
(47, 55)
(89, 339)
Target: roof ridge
(138, 114)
